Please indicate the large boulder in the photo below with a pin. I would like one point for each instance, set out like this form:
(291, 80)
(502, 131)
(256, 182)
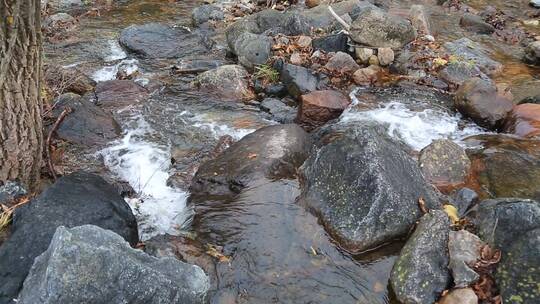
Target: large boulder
(513, 226)
(227, 81)
(363, 186)
(318, 107)
(420, 273)
(479, 100)
(375, 28)
(77, 199)
(445, 164)
(268, 152)
(157, 40)
(205, 13)
(86, 123)
(473, 53)
(475, 23)
(252, 49)
(88, 264)
(524, 120)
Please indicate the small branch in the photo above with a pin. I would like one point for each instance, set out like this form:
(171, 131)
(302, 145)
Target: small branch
(345, 25)
(50, 164)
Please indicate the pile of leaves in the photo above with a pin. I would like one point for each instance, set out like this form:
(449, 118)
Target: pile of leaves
(485, 288)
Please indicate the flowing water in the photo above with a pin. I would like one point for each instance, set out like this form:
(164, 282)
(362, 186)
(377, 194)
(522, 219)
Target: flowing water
(279, 252)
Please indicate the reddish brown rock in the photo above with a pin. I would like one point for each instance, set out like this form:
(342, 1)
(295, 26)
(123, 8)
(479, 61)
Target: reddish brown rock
(479, 100)
(318, 107)
(119, 93)
(524, 120)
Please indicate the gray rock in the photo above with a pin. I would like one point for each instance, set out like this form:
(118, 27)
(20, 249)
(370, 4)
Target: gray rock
(320, 16)
(227, 81)
(464, 199)
(157, 40)
(86, 124)
(363, 186)
(445, 164)
(464, 250)
(88, 264)
(65, 6)
(460, 296)
(518, 272)
(299, 80)
(74, 200)
(342, 62)
(252, 49)
(456, 73)
(205, 13)
(419, 17)
(475, 23)
(421, 273)
(530, 99)
(119, 93)
(331, 43)
(385, 56)
(479, 100)
(532, 53)
(268, 152)
(279, 111)
(363, 54)
(473, 53)
(58, 19)
(12, 190)
(375, 28)
(535, 3)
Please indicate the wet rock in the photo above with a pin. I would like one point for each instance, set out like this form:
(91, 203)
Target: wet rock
(205, 13)
(471, 52)
(375, 28)
(276, 90)
(419, 18)
(119, 93)
(279, 111)
(227, 81)
(479, 100)
(66, 6)
(331, 43)
(363, 186)
(464, 250)
(77, 199)
(10, 191)
(445, 164)
(385, 56)
(55, 21)
(517, 273)
(366, 76)
(464, 199)
(456, 73)
(86, 124)
(513, 225)
(88, 258)
(299, 80)
(189, 66)
(252, 49)
(269, 151)
(363, 54)
(535, 3)
(342, 62)
(532, 53)
(62, 80)
(506, 166)
(476, 24)
(524, 120)
(421, 273)
(157, 40)
(460, 296)
(318, 107)
(530, 99)
(320, 17)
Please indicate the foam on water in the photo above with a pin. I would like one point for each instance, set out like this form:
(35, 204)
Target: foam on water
(144, 165)
(109, 72)
(116, 51)
(416, 128)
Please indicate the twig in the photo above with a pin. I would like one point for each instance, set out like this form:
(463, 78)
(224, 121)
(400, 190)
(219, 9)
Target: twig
(338, 18)
(64, 113)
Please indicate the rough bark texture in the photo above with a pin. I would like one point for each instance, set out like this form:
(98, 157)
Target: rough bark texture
(20, 104)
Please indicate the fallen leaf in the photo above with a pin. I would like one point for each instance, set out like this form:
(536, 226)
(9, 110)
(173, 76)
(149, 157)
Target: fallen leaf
(452, 213)
(422, 205)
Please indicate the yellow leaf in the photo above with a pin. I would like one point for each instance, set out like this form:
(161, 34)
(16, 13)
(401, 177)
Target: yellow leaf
(439, 62)
(452, 213)
(9, 20)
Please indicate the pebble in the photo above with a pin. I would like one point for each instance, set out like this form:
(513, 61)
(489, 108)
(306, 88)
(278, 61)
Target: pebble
(460, 296)
(385, 56)
(366, 76)
(363, 54)
(373, 60)
(296, 59)
(304, 41)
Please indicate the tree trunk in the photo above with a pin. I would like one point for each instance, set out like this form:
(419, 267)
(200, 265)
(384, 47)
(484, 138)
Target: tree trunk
(21, 136)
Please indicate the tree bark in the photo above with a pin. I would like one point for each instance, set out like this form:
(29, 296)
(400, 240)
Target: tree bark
(21, 136)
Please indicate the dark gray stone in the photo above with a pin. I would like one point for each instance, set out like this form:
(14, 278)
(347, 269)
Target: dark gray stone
(331, 43)
(269, 152)
(464, 199)
(464, 250)
(252, 49)
(363, 186)
(86, 124)
(530, 99)
(88, 264)
(532, 53)
(375, 28)
(456, 73)
(227, 81)
(11, 191)
(421, 273)
(535, 3)
(157, 40)
(77, 199)
(279, 111)
(473, 53)
(475, 23)
(205, 13)
(299, 80)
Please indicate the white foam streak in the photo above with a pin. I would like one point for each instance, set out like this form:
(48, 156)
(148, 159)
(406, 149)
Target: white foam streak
(109, 72)
(116, 52)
